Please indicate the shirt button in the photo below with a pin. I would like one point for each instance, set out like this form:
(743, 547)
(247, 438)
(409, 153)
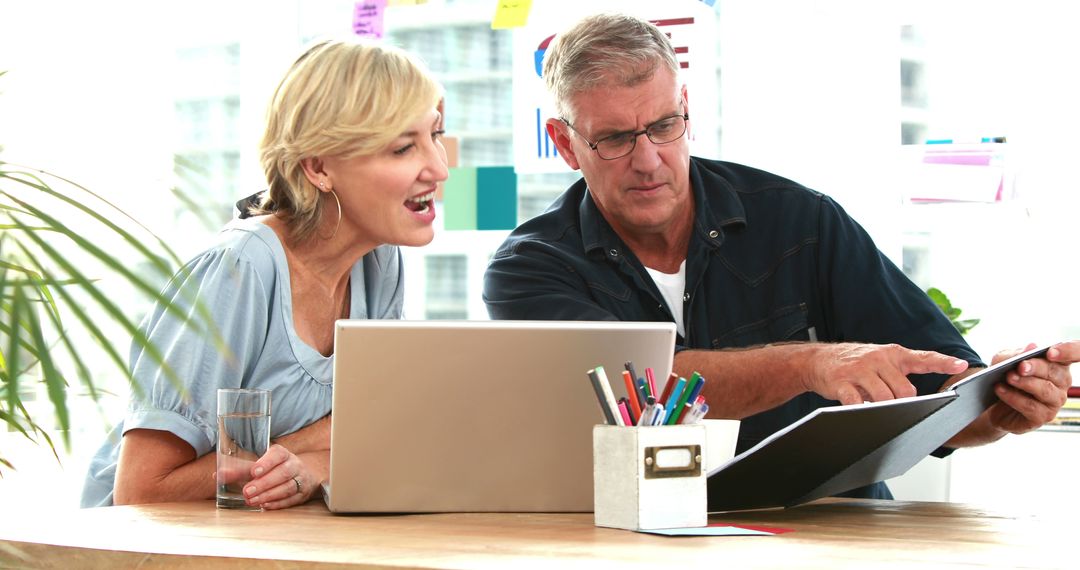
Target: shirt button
(686, 297)
(613, 252)
(713, 234)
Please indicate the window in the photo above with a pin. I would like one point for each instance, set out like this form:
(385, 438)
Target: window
(445, 285)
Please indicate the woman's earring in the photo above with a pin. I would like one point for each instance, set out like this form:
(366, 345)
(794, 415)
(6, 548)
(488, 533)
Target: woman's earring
(338, 225)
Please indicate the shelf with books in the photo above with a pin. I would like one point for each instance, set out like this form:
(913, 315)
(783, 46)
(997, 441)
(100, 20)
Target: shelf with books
(1069, 415)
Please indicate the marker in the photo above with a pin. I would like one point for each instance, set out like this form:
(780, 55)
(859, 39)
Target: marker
(680, 403)
(624, 413)
(629, 366)
(683, 411)
(673, 400)
(631, 396)
(594, 379)
(690, 399)
(671, 381)
(651, 381)
(642, 392)
(609, 396)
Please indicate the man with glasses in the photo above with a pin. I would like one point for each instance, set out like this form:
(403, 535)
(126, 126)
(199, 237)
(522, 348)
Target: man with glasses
(781, 300)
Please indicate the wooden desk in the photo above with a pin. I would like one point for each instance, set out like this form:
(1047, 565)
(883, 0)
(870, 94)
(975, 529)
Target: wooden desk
(830, 533)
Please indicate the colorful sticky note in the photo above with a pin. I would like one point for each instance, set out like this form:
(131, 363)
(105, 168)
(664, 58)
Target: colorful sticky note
(480, 198)
(511, 14)
(368, 18)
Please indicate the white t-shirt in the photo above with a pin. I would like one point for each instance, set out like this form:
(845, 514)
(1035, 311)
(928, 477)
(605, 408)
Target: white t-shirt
(673, 287)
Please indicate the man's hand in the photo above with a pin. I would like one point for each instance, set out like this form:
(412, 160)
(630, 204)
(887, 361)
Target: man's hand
(1032, 394)
(854, 373)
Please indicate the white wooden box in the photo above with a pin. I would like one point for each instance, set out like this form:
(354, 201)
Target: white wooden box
(649, 477)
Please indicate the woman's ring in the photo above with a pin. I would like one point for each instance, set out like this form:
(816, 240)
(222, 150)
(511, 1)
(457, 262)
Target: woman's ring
(298, 485)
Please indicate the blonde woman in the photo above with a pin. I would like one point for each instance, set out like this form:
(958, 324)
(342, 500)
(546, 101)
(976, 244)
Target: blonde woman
(352, 155)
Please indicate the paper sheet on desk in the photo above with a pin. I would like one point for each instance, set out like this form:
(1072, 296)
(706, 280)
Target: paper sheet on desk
(720, 529)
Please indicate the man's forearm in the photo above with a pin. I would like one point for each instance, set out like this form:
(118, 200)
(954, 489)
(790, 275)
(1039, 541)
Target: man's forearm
(744, 382)
(979, 432)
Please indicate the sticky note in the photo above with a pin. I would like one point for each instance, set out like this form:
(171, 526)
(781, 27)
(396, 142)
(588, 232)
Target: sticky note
(511, 14)
(480, 198)
(368, 18)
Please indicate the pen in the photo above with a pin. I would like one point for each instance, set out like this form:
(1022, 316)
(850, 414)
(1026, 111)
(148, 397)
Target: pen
(684, 396)
(650, 380)
(631, 396)
(673, 400)
(660, 415)
(697, 411)
(609, 396)
(694, 392)
(648, 413)
(594, 379)
(624, 413)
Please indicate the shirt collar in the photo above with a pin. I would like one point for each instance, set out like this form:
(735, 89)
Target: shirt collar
(718, 208)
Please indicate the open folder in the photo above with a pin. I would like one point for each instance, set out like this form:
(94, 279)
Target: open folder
(836, 449)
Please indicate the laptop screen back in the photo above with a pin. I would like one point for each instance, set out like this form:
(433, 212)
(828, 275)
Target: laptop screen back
(475, 416)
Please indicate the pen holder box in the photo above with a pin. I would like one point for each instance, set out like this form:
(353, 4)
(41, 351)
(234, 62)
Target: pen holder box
(649, 477)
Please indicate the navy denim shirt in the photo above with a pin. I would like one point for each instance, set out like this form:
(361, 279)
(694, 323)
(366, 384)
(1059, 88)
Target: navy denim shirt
(769, 261)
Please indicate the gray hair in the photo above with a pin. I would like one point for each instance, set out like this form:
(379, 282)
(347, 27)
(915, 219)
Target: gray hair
(604, 49)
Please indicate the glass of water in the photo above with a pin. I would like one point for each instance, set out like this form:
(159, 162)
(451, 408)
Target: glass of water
(243, 437)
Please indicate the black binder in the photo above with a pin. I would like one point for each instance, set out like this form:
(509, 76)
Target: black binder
(836, 449)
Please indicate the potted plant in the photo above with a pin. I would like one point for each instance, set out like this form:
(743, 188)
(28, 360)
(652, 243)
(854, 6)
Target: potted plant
(57, 239)
(946, 306)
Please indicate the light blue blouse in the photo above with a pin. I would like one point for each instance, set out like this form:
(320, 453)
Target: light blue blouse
(243, 282)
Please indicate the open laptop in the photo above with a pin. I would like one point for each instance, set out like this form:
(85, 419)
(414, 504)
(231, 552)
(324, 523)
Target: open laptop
(475, 416)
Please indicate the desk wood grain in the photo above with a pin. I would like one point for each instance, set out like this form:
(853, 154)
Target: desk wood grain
(827, 534)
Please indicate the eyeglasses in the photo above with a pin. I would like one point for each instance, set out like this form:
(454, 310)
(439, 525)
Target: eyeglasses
(618, 145)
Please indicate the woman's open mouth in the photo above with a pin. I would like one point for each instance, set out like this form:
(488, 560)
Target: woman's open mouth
(421, 203)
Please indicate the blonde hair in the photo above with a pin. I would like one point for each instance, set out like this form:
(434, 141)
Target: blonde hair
(604, 49)
(340, 98)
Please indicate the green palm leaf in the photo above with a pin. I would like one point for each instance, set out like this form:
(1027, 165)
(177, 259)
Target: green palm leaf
(41, 289)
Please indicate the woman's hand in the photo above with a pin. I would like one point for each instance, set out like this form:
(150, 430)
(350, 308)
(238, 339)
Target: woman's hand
(280, 479)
